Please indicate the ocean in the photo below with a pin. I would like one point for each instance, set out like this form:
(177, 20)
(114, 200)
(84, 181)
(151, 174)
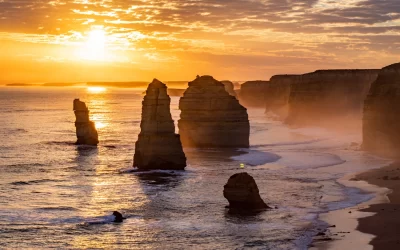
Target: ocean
(56, 195)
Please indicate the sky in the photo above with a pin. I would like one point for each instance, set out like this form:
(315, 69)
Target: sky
(121, 40)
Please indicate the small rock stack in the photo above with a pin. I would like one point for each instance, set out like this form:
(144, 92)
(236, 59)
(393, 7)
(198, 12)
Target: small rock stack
(158, 147)
(242, 193)
(85, 129)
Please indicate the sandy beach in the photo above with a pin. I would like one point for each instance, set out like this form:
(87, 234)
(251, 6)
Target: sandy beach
(386, 220)
(370, 225)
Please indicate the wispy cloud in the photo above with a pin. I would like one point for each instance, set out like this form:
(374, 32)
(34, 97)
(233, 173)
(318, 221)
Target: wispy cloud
(272, 34)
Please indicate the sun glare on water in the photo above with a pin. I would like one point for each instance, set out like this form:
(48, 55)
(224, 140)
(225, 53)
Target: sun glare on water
(96, 90)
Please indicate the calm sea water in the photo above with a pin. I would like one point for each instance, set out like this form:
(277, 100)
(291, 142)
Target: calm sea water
(54, 194)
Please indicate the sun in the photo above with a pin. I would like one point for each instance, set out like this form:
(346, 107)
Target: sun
(96, 90)
(93, 49)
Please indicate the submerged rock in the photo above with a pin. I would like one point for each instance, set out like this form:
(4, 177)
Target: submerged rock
(242, 192)
(85, 129)
(381, 121)
(158, 147)
(211, 117)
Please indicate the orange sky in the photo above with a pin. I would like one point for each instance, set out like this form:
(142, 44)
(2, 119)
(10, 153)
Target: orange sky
(121, 40)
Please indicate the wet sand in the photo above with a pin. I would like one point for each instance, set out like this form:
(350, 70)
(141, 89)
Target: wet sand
(343, 232)
(385, 223)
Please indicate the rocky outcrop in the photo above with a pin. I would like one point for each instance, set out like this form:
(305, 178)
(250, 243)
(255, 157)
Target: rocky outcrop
(381, 121)
(85, 129)
(277, 94)
(252, 93)
(158, 147)
(210, 117)
(229, 87)
(242, 192)
(325, 94)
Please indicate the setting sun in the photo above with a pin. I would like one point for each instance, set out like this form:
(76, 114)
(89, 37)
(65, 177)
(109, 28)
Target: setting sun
(94, 47)
(96, 90)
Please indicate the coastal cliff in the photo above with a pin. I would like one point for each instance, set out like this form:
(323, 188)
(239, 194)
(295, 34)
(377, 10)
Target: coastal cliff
(324, 94)
(85, 129)
(211, 117)
(277, 94)
(252, 93)
(381, 120)
(229, 87)
(158, 147)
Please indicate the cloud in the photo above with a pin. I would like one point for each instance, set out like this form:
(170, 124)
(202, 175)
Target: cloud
(288, 31)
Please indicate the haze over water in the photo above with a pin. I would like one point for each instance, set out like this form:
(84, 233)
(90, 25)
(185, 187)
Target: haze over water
(54, 194)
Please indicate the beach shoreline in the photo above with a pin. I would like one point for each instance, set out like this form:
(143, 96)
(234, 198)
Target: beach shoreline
(371, 224)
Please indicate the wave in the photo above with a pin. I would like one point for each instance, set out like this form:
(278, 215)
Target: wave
(21, 183)
(256, 158)
(61, 208)
(288, 143)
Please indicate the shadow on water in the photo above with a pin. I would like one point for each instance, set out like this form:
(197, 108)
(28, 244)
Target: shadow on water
(164, 180)
(199, 156)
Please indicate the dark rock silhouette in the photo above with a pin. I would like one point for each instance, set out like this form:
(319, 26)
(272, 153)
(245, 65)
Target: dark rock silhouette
(381, 121)
(211, 117)
(325, 94)
(252, 93)
(229, 87)
(242, 193)
(118, 217)
(85, 129)
(277, 94)
(158, 147)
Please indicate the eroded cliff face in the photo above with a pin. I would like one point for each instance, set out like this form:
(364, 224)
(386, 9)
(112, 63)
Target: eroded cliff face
(317, 97)
(277, 94)
(210, 117)
(158, 147)
(85, 129)
(381, 120)
(252, 93)
(229, 87)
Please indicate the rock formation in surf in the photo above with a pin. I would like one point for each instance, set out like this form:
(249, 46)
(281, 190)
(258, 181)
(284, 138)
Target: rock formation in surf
(211, 117)
(242, 192)
(229, 87)
(381, 121)
(252, 93)
(158, 147)
(318, 97)
(85, 129)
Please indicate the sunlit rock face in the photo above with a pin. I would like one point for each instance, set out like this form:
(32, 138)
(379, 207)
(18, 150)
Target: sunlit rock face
(276, 96)
(158, 147)
(229, 87)
(85, 129)
(242, 192)
(323, 95)
(381, 121)
(252, 93)
(210, 117)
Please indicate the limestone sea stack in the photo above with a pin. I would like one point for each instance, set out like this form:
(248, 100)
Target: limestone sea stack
(381, 120)
(242, 192)
(210, 117)
(252, 93)
(158, 147)
(85, 129)
(320, 96)
(229, 87)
